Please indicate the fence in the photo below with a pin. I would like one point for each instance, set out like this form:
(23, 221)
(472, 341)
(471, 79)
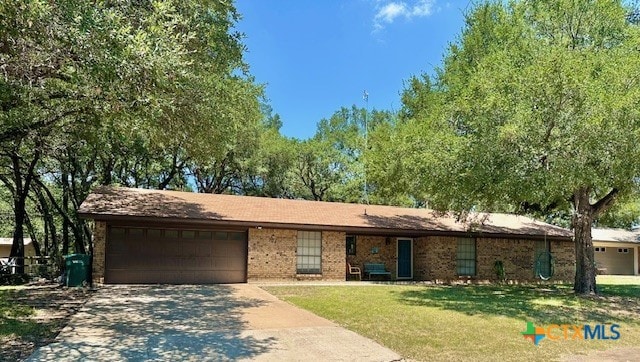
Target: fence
(44, 266)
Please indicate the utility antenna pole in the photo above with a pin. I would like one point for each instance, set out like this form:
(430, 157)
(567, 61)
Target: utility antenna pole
(365, 96)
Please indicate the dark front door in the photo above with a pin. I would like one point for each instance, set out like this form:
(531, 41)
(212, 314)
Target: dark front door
(405, 259)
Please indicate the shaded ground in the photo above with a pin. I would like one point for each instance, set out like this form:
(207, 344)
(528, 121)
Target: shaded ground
(32, 316)
(202, 323)
(156, 323)
(544, 305)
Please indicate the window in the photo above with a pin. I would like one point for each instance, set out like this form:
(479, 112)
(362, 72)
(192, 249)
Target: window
(623, 250)
(309, 253)
(466, 259)
(600, 249)
(351, 245)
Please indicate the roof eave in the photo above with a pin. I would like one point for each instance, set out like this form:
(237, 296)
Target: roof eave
(124, 219)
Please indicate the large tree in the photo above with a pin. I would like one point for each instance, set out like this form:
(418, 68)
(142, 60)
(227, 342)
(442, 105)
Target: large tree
(115, 91)
(541, 109)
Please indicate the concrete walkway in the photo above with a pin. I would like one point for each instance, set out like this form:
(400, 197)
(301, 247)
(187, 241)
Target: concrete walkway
(203, 323)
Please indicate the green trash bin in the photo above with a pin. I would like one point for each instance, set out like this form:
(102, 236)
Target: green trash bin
(77, 269)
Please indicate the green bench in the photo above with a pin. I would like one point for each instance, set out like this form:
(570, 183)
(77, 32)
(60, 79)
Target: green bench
(375, 269)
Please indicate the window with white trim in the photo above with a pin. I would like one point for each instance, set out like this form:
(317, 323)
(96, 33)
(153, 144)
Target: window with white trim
(600, 249)
(309, 252)
(466, 257)
(623, 250)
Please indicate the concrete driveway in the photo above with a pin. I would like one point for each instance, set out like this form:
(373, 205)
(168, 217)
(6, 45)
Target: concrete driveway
(203, 323)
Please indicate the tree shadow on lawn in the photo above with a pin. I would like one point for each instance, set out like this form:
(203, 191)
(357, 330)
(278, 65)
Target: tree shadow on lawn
(541, 304)
(620, 290)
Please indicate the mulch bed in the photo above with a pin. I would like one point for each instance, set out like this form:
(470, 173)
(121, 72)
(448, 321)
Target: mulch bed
(53, 306)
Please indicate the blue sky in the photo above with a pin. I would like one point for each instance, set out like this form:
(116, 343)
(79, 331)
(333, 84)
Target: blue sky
(316, 56)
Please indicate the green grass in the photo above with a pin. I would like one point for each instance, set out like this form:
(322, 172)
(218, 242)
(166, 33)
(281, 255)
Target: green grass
(472, 322)
(15, 318)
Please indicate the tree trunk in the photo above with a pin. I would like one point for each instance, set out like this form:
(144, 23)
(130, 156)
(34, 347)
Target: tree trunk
(65, 209)
(32, 235)
(585, 280)
(50, 248)
(78, 238)
(20, 193)
(63, 212)
(17, 248)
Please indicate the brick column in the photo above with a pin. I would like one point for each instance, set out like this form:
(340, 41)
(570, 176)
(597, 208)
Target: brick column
(271, 254)
(334, 255)
(99, 243)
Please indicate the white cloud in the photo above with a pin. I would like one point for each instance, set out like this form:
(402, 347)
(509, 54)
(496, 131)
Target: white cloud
(390, 11)
(422, 8)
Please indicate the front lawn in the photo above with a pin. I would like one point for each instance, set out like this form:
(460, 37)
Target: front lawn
(472, 322)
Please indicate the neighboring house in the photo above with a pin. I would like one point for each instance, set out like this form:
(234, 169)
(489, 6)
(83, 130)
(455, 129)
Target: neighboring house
(5, 251)
(151, 236)
(5, 247)
(616, 251)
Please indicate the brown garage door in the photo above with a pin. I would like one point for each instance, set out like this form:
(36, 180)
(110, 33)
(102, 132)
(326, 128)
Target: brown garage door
(185, 256)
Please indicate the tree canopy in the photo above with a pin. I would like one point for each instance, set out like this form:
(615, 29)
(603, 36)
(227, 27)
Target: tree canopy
(539, 112)
(95, 92)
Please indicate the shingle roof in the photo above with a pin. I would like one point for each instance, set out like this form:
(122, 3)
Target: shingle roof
(122, 203)
(621, 235)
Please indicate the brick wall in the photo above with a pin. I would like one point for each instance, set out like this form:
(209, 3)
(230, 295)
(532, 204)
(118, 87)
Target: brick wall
(440, 262)
(333, 255)
(420, 255)
(272, 255)
(434, 257)
(99, 243)
(517, 256)
(564, 254)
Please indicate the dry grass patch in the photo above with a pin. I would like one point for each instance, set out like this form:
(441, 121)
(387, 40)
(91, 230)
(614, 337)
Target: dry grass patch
(32, 316)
